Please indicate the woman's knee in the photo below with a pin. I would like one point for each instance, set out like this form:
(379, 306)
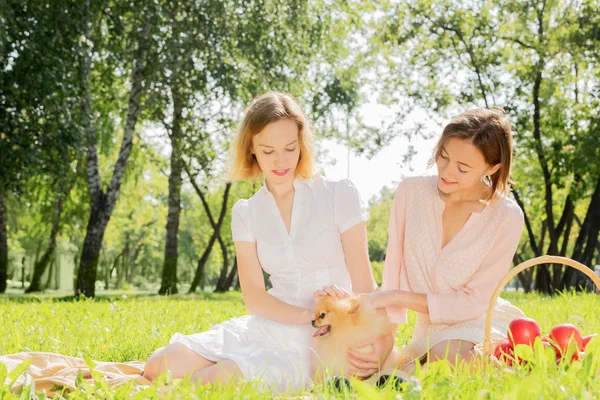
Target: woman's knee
(177, 358)
(152, 366)
(223, 372)
(159, 360)
(450, 349)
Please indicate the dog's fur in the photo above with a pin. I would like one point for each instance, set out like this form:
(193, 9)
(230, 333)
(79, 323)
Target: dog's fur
(342, 323)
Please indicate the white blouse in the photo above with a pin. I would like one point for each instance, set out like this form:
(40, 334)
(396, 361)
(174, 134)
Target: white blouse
(311, 256)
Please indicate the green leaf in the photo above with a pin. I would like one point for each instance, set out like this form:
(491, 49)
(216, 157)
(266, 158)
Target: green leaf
(15, 373)
(365, 390)
(89, 362)
(25, 392)
(524, 352)
(3, 373)
(56, 388)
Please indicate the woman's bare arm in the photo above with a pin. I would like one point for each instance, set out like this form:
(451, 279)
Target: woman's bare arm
(258, 301)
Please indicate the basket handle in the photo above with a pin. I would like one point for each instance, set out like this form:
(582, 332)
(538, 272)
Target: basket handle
(487, 341)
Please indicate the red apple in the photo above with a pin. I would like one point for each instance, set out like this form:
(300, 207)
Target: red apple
(504, 352)
(578, 355)
(586, 339)
(563, 336)
(523, 331)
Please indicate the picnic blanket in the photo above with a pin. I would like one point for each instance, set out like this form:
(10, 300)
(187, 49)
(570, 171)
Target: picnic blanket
(51, 372)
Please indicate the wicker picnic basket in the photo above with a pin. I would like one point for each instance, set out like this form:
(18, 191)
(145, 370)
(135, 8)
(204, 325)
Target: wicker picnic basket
(488, 344)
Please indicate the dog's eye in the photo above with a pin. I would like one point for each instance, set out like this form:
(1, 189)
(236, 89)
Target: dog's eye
(322, 315)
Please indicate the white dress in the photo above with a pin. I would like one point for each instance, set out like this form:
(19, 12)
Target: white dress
(278, 356)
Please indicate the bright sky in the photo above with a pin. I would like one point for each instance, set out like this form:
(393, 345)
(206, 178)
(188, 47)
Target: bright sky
(386, 167)
(369, 176)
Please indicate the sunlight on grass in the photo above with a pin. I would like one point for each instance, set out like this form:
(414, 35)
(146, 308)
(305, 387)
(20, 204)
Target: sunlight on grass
(124, 329)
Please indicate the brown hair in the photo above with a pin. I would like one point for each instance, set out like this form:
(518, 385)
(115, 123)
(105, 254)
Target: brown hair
(264, 109)
(491, 133)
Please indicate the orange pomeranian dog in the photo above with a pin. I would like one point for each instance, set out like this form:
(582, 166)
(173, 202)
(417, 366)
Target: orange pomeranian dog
(341, 323)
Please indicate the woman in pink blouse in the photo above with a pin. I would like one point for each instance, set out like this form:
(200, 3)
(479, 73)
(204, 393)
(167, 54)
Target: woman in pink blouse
(452, 238)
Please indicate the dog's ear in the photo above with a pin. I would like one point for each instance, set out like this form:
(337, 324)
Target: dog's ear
(354, 305)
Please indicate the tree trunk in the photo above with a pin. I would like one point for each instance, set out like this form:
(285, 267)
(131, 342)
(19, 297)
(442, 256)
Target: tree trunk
(563, 229)
(51, 272)
(531, 235)
(524, 277)
(231, 277)
(120, 267)
(169, 276)
(23, 272)
(88, 263)
(543, 280)
(561, 283)
(586, 242)
(125, 261)
(107, 273)
(40, 267)
(222, 283)
(41, 264)
(112, 268)
(200, 273)
(3, 244)
(591, 225)
(133, 262)
(102, 204)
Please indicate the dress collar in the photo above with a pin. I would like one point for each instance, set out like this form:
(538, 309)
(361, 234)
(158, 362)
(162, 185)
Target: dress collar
(298, 184)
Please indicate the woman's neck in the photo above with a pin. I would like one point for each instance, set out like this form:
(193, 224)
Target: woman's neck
(280, 190)
(478, 193)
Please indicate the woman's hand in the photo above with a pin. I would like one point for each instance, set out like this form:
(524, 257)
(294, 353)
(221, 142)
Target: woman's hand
(370, 362)
(333, 291)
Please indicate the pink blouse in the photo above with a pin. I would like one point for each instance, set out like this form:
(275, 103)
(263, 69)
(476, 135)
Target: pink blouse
(459, 279)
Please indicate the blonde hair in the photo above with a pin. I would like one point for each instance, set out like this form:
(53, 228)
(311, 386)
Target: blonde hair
(491, 133)
(263, 110)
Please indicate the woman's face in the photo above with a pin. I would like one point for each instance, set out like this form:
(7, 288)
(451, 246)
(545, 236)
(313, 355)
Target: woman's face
(277, 151)
(461, 166)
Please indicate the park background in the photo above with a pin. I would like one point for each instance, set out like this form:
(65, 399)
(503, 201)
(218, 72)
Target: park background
(115, 122)
(116, 117)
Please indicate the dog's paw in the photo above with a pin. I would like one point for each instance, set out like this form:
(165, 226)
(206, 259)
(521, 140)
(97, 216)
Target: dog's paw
(338, 383)
(393, 381)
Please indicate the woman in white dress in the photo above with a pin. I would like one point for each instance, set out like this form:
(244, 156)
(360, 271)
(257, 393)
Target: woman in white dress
(306, 231)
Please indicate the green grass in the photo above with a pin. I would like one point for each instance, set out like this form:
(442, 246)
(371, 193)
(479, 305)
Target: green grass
(117, 329)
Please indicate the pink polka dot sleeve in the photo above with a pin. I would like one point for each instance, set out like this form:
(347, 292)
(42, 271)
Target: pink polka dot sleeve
(394, 258)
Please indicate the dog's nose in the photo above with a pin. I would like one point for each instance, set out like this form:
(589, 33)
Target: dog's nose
(313, 322)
